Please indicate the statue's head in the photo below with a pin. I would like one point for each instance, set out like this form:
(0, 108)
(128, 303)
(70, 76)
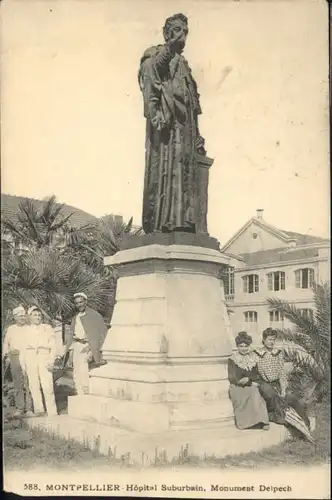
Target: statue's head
(176, 26)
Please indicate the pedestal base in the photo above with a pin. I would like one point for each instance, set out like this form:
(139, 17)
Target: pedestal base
(150, 418)
(137, 449)
(168, 345)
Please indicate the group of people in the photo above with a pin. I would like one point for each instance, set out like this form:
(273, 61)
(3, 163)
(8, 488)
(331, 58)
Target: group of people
(257, 377)
(32, 350)
(30, 346)
(258, 386)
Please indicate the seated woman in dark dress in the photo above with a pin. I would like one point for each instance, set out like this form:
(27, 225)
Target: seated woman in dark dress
(248, 404)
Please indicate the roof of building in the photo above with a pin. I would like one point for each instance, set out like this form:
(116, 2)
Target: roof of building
(286, 236)
(278, 255)
(79, 218)
(305, 239)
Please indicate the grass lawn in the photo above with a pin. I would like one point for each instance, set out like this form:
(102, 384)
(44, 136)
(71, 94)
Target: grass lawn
(28, 448)
(25, 449)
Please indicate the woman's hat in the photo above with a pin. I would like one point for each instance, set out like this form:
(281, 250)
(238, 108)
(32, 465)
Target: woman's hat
(19, 311)
(80, 294)
(243, 338)
(32, 308)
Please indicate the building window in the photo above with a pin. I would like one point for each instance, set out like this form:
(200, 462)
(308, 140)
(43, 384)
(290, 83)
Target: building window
(276, 281)
(228, 280)
(250, 283)
(304, 278)
(276, 316)
(307, 313)
(250, 317)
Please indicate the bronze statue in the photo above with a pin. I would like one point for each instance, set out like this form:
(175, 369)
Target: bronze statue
(173, 141)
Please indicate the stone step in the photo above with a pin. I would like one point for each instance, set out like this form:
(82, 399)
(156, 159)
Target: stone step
(162, 417)
(145, 450)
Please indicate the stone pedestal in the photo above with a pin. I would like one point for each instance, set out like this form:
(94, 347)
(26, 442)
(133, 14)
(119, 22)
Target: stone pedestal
(168, 345)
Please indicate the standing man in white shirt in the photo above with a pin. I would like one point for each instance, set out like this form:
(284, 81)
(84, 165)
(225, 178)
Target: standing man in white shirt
(14, 349)
(87, 334)
(40, 357)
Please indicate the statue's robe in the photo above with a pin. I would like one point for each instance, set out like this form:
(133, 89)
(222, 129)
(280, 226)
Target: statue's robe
(171, 107)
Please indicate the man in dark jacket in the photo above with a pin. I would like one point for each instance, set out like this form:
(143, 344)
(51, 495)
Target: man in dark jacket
(86, 337)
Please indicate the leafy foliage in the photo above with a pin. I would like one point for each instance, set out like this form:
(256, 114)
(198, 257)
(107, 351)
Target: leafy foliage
(308, 344)
(48, 278)
(38, 227)
(103, 238)
(59, 260)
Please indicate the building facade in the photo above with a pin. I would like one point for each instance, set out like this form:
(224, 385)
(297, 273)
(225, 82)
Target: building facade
(270, 263)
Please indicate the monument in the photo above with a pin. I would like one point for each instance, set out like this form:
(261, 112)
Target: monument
(170, 337)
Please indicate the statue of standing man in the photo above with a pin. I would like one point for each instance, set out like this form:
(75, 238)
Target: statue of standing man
(173, 140)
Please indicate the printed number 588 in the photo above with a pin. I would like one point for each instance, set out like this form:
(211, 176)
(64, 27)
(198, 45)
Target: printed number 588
(31, 486)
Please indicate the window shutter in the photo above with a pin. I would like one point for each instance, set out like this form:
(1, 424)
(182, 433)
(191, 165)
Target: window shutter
(269, 282)
(311, 277)
(256, 283)
(282, 281)
(231, 282)
(245, 284)
(298, 279)
(226, 284)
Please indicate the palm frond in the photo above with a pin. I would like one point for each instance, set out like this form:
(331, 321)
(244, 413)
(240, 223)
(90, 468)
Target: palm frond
(14, 229)
(35, 229)
(55, 226)
(299, 338)
(27, 205)
(50, 210)
(50, 278)
(308, 344)
(61, 260)
(292, 314)
(128, 226)
(300, 358)
(322, 296)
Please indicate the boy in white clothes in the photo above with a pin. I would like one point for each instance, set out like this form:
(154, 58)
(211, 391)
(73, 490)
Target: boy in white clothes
(14, 350)
(40, 355)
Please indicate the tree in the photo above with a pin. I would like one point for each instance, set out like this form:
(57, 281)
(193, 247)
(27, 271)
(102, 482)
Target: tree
(59, 260)
(48, 278)
(37, 227)
(93, 242)
(103, 238)
(308, 344)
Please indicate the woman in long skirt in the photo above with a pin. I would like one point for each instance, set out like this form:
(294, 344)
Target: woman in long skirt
(248, 404)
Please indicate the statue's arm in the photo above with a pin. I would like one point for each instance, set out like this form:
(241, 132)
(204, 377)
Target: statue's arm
(163, 58)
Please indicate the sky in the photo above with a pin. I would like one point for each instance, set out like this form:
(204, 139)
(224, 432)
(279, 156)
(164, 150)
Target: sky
(72, 111)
